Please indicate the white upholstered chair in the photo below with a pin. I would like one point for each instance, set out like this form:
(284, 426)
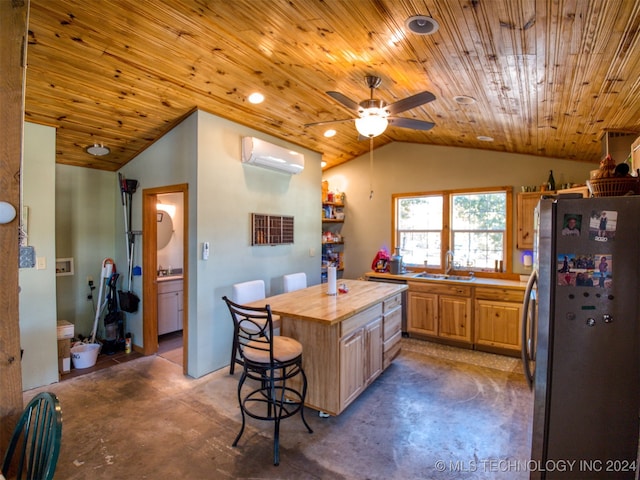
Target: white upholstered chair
(243, 293)
(247, 292)
(295, 281)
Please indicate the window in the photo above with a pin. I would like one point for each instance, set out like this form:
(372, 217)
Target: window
(473, 224)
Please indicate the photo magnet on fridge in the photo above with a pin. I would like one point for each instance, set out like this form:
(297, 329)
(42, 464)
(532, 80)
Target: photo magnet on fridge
(571, 225)
(602, 225)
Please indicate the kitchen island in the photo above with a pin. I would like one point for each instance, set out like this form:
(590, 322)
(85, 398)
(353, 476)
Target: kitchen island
(348, 339)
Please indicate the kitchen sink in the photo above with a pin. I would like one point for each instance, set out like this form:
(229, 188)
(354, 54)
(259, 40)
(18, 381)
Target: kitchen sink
(444, 276)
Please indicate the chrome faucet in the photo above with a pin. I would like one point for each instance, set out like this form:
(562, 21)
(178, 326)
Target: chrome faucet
(448, 262)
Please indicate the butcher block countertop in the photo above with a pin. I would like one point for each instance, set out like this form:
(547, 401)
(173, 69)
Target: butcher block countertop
(313, 303)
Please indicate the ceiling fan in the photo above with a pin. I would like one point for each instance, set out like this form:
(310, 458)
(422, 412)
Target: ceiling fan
(374, 115)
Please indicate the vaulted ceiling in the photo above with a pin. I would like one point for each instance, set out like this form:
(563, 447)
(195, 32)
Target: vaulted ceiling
(549, 77)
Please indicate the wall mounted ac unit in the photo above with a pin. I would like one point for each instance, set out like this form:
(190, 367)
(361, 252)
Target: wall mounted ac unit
(267, 155)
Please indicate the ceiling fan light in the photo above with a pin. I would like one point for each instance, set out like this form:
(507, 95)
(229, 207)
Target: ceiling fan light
(422, 25)
(97, 150)
(371, 125)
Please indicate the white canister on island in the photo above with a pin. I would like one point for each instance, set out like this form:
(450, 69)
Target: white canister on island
(332, 276)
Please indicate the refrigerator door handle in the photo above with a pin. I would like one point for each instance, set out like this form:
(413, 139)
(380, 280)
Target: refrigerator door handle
(528, 347)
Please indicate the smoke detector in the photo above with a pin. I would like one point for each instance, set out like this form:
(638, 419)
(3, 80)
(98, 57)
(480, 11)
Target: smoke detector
(97, 150)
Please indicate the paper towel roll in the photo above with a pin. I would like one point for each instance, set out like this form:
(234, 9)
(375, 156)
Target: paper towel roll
(331, 281)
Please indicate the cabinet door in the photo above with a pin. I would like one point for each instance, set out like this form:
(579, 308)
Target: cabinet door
(421, 317)
(525, 209)
(454, 318)
(373, 349)
(167, 312)
(352, 366)
(498, 324)
(180, 310)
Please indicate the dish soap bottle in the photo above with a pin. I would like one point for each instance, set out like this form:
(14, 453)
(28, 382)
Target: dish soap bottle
(551, 181)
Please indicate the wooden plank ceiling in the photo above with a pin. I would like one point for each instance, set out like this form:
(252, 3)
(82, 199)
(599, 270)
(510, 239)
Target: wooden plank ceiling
(549, 77)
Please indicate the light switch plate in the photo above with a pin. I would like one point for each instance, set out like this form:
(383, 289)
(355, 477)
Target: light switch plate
(41, 263)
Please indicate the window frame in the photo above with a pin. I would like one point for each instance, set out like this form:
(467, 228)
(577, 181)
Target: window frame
(446, 233)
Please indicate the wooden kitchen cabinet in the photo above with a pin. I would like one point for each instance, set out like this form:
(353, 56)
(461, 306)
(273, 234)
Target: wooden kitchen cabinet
(440, 310)
(360, 353)
(170, 306)
(422, 316)
(351, 379)
(498, 319)
(373, 347)
(635, 155)
(454, 318)
(526, 204)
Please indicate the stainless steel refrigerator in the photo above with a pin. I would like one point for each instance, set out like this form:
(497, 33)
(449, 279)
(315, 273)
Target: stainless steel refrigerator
(581, 338)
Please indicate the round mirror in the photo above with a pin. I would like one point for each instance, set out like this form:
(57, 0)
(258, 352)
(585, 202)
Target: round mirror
(165, 229)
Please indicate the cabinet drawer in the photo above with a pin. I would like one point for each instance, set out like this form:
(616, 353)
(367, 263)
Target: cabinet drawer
(391, 303)
(500, 294)
(440, 288)
(360, 319)
(170, 286)
(392, 324)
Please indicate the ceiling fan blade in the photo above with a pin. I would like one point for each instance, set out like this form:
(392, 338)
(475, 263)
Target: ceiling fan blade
(327, 122)
(411, 123)
(410, 102)
(344, 100)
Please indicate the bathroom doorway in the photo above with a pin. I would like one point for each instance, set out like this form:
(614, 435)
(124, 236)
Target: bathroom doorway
(165, 289)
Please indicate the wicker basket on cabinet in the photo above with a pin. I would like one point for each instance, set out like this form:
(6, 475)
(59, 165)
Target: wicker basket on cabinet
(614, 187)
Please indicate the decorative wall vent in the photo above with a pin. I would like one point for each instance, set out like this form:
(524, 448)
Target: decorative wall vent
(271, 229)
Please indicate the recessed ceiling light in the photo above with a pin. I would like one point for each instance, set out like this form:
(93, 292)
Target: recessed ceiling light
(256, 98)
(97, 150)
(330, 133)
(484, 138)
(464, 99)
(422, 25)
(323, 164)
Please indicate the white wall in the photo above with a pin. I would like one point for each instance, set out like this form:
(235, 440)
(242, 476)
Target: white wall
(37, 300)
(169, 161)
(405, 167)
(204, 151)
(228, 192)
(87, 231)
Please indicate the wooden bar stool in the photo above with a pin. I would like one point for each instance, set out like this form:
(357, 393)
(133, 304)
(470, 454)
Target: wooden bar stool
(272, 362)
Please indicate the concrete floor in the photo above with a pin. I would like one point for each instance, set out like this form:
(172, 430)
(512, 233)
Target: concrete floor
(436, 413)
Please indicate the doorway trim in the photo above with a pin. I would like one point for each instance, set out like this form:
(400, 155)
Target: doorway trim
(150, 263)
